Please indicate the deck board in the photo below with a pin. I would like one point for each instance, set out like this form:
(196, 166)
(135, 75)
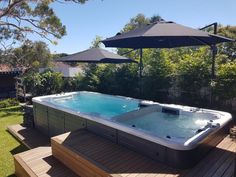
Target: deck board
(40, 162)
(230, 170)
(30, 137)
(119, 161)
(203, 166)
(221, 161)
(114, 159)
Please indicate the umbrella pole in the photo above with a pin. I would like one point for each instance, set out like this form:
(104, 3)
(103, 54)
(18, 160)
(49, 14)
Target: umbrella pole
(214, 52)
(140, 62)
(140, 71)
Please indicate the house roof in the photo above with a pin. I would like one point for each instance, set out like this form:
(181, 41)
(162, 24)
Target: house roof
(61, 65)
(6, 69)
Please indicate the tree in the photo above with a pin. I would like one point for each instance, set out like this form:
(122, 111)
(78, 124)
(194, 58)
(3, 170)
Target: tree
(226, 83)
(227, 49)
(158, 71)
(18, 18)
(29, 55)
(45, 83)
(59, 55)
(136, 22)
(156, 18)
(191, 70)
(96, 43)
(90, 81)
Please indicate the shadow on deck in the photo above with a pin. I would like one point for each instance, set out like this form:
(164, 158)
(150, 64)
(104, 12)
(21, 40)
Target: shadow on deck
(29, 137)
(102, 156)
(87, 154)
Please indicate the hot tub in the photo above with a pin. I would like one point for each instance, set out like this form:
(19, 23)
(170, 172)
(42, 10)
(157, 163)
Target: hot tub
(176, 135)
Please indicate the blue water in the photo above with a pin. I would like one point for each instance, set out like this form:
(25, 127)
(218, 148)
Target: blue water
(164, 124)
(98, 105)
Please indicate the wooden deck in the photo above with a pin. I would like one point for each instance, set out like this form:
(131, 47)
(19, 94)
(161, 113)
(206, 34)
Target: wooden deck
(90, 155)
(40, 162)
(30, 137)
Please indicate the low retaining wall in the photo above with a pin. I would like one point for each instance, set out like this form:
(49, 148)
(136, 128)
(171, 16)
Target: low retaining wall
(54, 122)
(28, 116)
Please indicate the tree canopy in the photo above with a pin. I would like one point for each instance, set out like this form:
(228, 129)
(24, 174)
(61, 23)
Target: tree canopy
(30, 55)
(96, 43)
(18, 18)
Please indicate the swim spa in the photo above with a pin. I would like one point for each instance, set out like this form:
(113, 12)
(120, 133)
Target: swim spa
(176, 135)
(56, 114)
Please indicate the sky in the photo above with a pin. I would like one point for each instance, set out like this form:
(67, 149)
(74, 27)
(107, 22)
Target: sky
(107, 17)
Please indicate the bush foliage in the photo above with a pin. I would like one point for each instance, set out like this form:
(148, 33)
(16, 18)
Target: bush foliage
(44, 83)
(8, 103)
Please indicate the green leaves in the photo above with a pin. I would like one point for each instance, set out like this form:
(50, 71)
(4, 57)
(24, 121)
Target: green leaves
(229, 48)
(225, 86)
(45, 83)
(30, 56)
(96, 43)
(22, 17)
(136, 22)
(9, 102)
(191, 72)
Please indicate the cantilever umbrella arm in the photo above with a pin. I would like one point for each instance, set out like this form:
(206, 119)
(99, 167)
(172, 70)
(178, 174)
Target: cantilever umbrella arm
(213, 49)
(214, 53)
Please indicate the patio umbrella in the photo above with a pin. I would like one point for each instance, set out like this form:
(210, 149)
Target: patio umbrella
(164, 35)
(95, 55)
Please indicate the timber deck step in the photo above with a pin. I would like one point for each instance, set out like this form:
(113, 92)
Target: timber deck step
(30, 137)
(90, 155)
(40, 162)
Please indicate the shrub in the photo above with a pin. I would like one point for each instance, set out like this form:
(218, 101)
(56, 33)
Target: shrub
(8, 102)
(225, 87)
(45, 83)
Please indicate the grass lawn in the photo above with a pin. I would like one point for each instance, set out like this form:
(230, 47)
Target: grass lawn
(8, 144)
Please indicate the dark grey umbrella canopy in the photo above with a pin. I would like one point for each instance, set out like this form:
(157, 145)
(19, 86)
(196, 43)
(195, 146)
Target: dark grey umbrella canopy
(95, 55)
(163, 35)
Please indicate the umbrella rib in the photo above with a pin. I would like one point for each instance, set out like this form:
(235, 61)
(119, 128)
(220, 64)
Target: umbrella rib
(128, 52)
(199, 40)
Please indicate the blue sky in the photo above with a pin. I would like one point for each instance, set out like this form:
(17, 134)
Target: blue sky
(107, 17)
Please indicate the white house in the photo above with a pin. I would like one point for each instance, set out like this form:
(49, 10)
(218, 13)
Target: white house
(65, 69)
